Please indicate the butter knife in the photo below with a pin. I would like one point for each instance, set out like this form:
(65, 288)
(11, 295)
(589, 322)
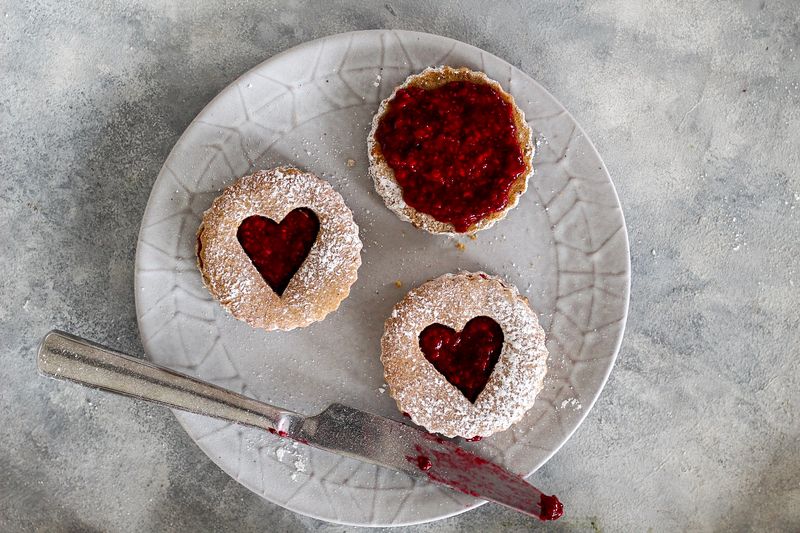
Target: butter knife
(338, 429)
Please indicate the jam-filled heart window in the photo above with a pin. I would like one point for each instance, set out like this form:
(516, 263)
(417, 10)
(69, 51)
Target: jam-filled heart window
(465, 358)
(278, 249)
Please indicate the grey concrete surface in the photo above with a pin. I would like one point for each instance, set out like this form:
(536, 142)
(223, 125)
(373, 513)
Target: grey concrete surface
(695, 106)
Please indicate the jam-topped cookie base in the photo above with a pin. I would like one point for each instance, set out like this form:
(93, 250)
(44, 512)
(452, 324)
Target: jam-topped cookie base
(454, 150)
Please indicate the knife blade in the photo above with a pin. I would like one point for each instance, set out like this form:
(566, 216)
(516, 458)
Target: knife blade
(338, 429)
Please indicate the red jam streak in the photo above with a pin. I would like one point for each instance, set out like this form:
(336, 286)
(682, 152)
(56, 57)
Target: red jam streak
(283, 434)
(453, 149)
(277, 250)
(474, 475)
(476, 438)
(466, 358)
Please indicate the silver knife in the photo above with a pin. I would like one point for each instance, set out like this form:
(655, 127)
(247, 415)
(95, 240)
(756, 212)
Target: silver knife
(339, 429)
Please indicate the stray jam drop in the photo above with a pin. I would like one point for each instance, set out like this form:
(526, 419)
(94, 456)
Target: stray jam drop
(284, 434)
(278, 250)
(453, 149)
(552, 508)
(424, 463)
(466, 358)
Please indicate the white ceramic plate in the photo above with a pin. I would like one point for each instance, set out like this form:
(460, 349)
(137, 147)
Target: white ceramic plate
(565, 246)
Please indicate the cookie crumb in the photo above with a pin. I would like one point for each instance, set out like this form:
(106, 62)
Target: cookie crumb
(398, 283)
(460, 246)
(351, 163)
(472, 237)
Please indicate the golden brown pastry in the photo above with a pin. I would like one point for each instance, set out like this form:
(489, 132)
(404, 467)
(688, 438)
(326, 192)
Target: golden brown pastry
(279, 249)
(464, 355)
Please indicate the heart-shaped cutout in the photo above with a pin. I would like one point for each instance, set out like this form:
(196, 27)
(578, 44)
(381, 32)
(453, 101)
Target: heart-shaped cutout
(278, 250)
(465, 358)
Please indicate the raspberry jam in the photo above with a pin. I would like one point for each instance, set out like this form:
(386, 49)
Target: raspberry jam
(552, 508)
(278, 250)
(466, 358)
(423, 462)
(474, 475)
(453, 150)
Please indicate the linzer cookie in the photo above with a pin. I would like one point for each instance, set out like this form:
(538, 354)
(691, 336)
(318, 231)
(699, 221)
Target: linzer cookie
(450, 151)
(279, 249)
(464, 355)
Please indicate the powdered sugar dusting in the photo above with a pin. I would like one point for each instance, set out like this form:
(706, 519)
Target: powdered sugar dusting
(324, 278)
(291, 454)
(422, 392)
(571, 403)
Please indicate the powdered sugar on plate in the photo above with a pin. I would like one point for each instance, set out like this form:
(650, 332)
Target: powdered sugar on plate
(290, 453)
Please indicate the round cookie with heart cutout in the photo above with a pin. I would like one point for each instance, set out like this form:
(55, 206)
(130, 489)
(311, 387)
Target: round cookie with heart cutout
(450, 151)
(464, 355)
(279, 249)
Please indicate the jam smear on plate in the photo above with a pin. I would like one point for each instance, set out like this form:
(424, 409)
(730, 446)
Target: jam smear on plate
(453, 149)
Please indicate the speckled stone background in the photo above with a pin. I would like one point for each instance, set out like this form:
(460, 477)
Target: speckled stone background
(695, 106)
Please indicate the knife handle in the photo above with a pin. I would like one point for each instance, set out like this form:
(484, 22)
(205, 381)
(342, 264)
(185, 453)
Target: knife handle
(67, 357)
